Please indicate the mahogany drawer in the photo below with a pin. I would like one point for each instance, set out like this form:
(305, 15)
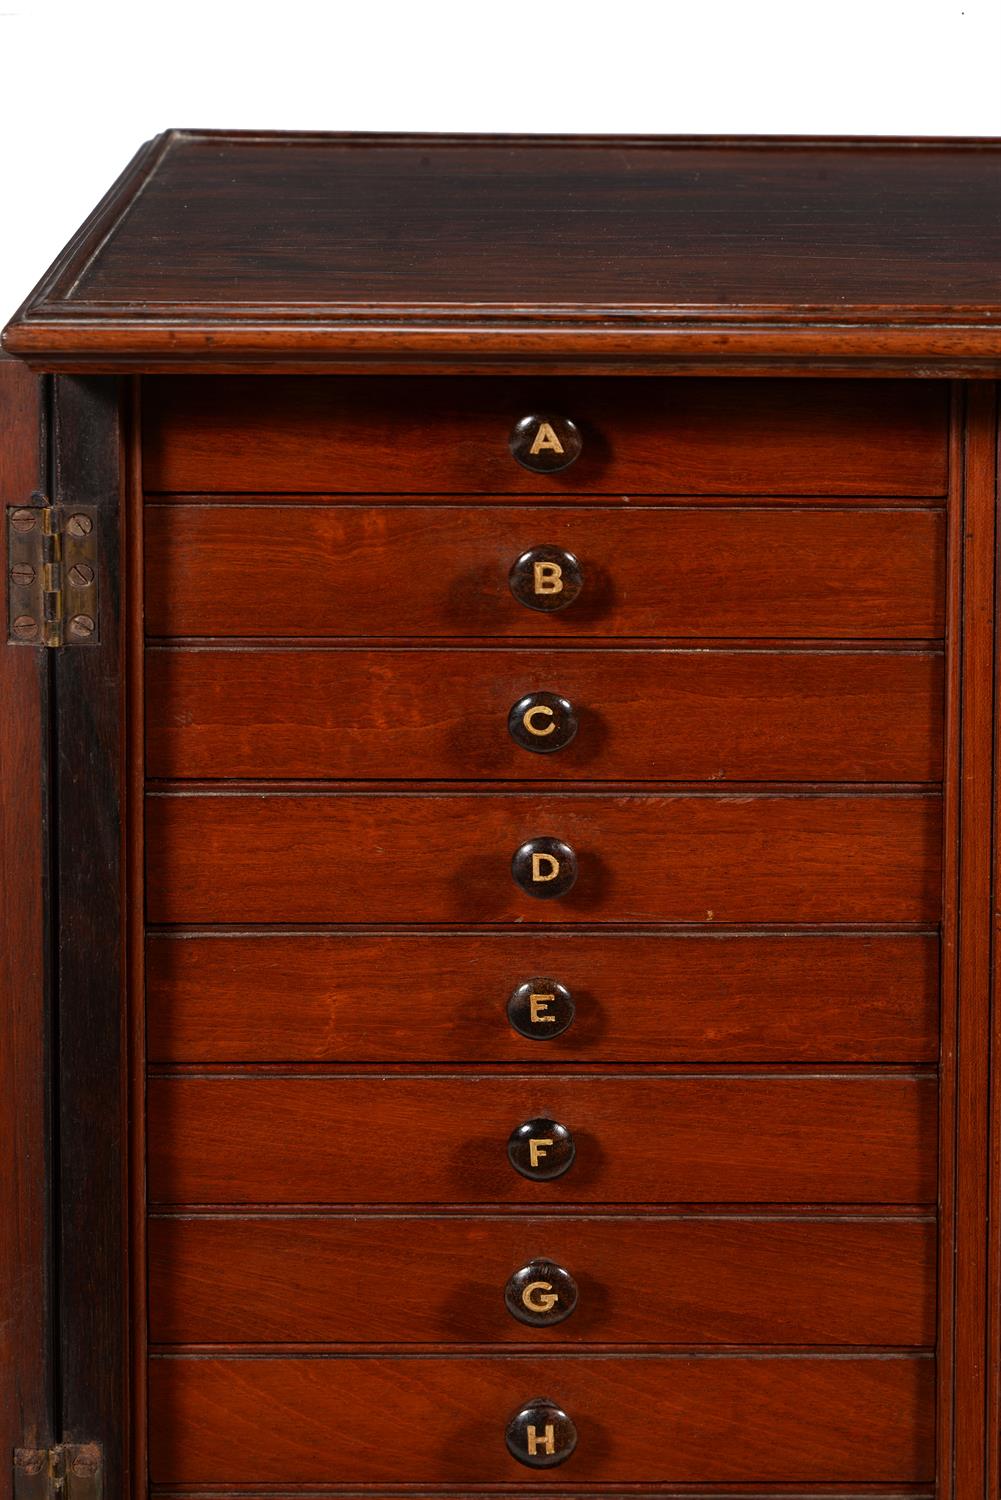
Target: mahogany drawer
(662, 1419)
(640, 715)
(441, 571)
(646, 436)
(722, 1279)
(669, 996)
(271, 856)
(650, 1137)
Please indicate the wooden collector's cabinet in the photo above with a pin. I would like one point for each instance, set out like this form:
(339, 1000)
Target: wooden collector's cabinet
(500, 802)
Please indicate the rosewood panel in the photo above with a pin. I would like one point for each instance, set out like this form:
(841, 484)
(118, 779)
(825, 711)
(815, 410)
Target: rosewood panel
(659, 1420)
(640, 1138)
(401, 857)
(416, 1280)
(647, 437)
(642, 715)
(266, 570)
(720, 997)
(26, 1377)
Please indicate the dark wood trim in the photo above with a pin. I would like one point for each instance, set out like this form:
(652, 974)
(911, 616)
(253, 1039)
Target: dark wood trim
(91, 1078)
(967, 952)
(26, 1365)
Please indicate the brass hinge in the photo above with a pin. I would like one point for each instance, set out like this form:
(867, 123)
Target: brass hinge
(52, 570)
(69, 1471)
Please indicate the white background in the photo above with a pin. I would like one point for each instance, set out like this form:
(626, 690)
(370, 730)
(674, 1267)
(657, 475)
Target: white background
(83, 84)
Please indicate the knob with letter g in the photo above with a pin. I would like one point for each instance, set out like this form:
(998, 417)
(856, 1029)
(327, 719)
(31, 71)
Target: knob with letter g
(541, 1293)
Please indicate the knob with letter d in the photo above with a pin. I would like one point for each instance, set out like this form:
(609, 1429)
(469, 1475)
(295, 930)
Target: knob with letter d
(544, 868)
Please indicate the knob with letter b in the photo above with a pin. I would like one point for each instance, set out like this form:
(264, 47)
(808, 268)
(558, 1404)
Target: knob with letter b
(544, 868)
(540, 1435)
(546, 578)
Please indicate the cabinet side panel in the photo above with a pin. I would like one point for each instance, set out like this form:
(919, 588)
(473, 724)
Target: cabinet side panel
(25, 1373)
(91, 1075)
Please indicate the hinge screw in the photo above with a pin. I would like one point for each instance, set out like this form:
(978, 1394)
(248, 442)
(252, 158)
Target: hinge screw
(81, 626)
(22, 573)
(81, 574)
(86, 1465)
(79, 525)
(23, 520)
(25, 627)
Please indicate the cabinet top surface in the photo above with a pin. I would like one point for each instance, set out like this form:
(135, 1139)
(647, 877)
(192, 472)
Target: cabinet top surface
(254, 251)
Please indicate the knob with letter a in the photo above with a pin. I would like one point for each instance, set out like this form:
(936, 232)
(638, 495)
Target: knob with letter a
(545, 443)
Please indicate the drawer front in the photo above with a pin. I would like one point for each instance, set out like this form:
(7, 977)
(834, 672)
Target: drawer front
(400, 857)
(657, 1420)
(640, 1138)
(443, 572)
(633, 715)
(644, 436)
(722, 997)
(655, 1280)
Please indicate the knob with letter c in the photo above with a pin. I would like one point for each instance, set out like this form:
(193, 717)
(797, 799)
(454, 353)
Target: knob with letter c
(540, 1435)
(541, 1149)
(541, 1009)
(546, 578)
(541, 1294)
(545, 443)
(542, 723)
(544, 868)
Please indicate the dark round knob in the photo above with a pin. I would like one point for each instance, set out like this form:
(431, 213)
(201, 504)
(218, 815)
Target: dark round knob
(541, 1435)
(542, 722)
(545, 868)
(541, 1149)
(541, 1009)
(546, 578)
(544, 443)
(541, 1294)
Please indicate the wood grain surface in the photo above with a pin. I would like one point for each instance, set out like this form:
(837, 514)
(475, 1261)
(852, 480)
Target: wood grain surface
(752, 1418)
(713, 997)
(643, 715)
(422, 1279)
(437, 571)
(264, 856)
(643, 437)
(640, 1138)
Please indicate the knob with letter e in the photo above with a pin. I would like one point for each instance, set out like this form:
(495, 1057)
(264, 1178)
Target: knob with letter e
(544, 868)
(541, 1294)
(541, 1009)
(540, 1435)
(541, 1149)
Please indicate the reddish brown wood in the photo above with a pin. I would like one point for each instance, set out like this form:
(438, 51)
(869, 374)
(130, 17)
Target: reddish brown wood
(441, 572)
(398, 857)
(295, 249)
(26, 1415)
(713, 998)
(967, 1001)
(640, 1137)
(656, 1280)
(425, 1420)
(643, 715)
(640, 437)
